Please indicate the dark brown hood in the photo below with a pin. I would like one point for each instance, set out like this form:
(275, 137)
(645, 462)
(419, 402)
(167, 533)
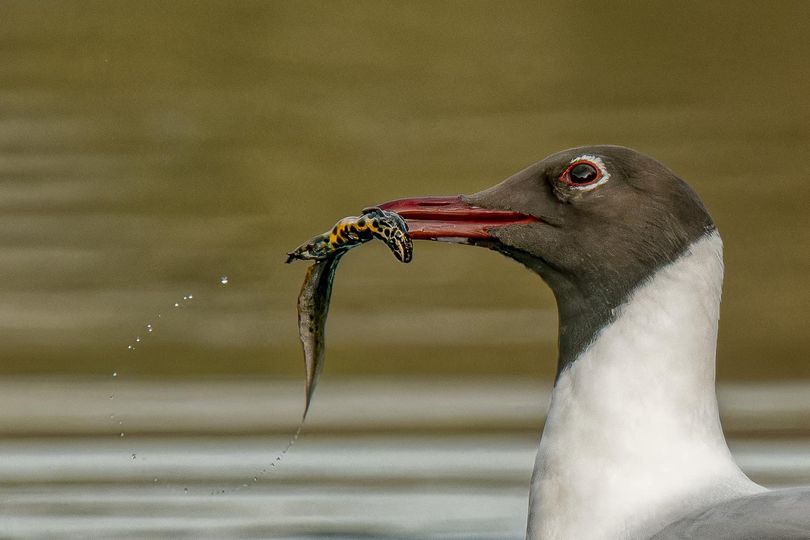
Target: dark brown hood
(592, 243)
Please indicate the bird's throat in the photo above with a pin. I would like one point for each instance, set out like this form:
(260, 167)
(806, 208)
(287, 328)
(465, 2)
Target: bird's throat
(633, 437)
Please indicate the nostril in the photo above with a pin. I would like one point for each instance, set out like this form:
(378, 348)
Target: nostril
(435, 203)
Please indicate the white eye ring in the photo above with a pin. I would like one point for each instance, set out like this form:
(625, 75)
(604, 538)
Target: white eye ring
(595, 161)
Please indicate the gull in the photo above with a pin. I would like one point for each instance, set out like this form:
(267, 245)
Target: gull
(632, 447)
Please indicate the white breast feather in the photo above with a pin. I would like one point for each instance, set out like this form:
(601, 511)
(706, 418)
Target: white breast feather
(633, 438)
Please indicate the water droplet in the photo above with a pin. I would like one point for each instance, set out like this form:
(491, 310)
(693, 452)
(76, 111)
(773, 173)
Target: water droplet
(112, 396)
(130, 347)
(134, 456)
(159, 315)
(149, 328)
(190, 297)
(176, 304)
(112, 416)
(120, 422)
(185, 490)
(122, 434)
(156, 480)
(115, 374)
(255, 479)
(223, 280)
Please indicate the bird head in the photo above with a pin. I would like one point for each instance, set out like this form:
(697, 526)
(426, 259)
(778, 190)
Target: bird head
(594, 222)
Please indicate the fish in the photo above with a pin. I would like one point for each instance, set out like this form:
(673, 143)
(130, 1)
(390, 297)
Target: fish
(313, 308)
(326, 250)
(352, 231)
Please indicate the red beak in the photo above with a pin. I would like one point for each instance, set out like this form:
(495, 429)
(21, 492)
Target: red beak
(436, 218)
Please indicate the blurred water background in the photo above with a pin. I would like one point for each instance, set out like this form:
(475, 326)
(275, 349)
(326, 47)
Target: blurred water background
(149, 149)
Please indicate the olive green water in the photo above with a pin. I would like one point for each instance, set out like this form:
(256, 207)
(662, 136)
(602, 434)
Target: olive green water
(146, 149)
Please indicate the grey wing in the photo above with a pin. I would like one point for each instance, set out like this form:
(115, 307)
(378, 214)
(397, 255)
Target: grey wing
(783, 514)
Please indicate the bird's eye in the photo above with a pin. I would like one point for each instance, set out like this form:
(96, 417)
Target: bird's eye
(584, 173)
(580, 174)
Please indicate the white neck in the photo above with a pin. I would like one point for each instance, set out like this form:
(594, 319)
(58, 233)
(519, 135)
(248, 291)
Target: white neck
(633, 438)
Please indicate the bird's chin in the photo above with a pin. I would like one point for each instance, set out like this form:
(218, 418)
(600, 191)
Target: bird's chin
(452, 219)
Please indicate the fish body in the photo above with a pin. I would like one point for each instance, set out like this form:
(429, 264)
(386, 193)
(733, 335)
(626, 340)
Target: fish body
(313, 307)
(352, 231)
(326, 250)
